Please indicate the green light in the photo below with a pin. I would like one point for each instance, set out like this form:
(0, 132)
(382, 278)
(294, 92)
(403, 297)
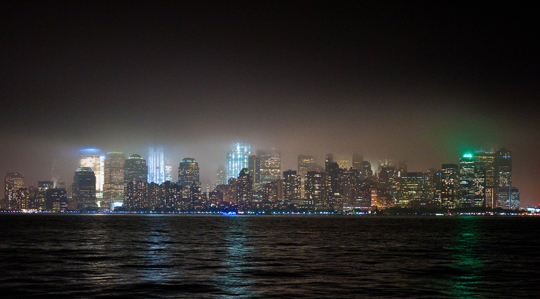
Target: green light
(467, 156)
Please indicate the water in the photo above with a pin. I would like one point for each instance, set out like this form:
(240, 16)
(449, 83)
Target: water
(131, 256)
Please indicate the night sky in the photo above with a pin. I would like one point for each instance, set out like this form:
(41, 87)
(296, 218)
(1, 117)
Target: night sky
(420, 82)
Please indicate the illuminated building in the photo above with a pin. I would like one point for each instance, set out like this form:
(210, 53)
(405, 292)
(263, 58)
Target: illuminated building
(188, 172)
(135, 169)
(344, 163)
(84, 188)
(270, 166)
(411, 190)
(168, 173)
(503, 200)
(113, 187)
(13, 182)
(90, 157)
(244, 190)
(503, 176)
(42, 188)
(156, 165)
(305, 164)
(56, 200)
(466, 181)
(221, 176)
(291, 187)
(484, 179)
(333, 201)
(170, 196)
(254, 167)
(365, 171)
(21, 200)
(449, 186)
(136, 195)
(238, 159)
(316, 193)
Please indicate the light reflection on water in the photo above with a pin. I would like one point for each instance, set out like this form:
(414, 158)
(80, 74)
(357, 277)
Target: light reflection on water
(216, 256)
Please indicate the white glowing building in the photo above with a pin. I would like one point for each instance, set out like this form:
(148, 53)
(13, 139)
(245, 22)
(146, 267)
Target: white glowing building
(90, 157)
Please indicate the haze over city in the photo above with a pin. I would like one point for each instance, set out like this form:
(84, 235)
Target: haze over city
(402, 81)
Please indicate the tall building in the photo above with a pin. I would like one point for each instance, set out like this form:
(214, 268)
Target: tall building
(244, 187)
(466, 181)
(411, 190)
(91, 157)
(357, 160)
(188, 172)
(484, 178)
(221, 176)
(56, 200)
(503, 177)
(135, 169)
(270, 165)
(168, 173)
(113, 187)
(305, 164)
(238, 159)
(136, 195)
(316, 193)
(291, 187)
(254, 167)
(42, 188)
(333, 201)
(84, 188)
(13, 182)
(449, 186)
(156, 165)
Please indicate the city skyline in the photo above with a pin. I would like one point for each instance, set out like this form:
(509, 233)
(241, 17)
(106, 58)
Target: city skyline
(423, 83)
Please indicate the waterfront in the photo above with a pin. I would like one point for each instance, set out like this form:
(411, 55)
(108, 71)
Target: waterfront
(155, 256)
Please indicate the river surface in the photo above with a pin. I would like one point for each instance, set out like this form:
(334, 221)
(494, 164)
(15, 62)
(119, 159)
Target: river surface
(143, 256)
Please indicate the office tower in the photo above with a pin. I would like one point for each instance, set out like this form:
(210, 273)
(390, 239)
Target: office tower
(254, 167)
(291, 187)
(411, 190)
(305, 164)
(221, 176)
(503, 177)
(13, 182)
(316, 193)
(466, 181)
(484, 179)
(156, 165)
(56, 200)
(365, 171)
(91, 157)
(170, 196)
(237, 159)
(135, 169)
(42, 188)
(136, 195)
(168, 173)
(270, 165)
(357, 160)
(449, 186)
(21, 199)
(244, 190)
(113, 186)
(511, 203)
(333, 184)
(188, 172)
(84, 191)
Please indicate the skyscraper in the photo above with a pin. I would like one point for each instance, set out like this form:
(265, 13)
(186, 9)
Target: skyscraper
(357, 160)
(91, 157)
(305, 164)
(237, 159)
(244, 190)
(221, 176)
(291, 187)
(113, 187)
(84, 188)
(449, 186)
(270, 165)
(156, 165)
(255, 168)
(466, 182)
(503, 177)
(135, 169)
(13, 182)
(188, 172)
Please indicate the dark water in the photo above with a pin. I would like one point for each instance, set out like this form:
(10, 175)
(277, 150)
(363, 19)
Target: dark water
(264, 257)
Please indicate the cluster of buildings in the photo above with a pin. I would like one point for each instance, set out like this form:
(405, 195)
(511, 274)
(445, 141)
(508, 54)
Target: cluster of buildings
(255, 182)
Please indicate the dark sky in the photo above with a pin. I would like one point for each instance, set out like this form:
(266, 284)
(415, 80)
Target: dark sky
(420, 82)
